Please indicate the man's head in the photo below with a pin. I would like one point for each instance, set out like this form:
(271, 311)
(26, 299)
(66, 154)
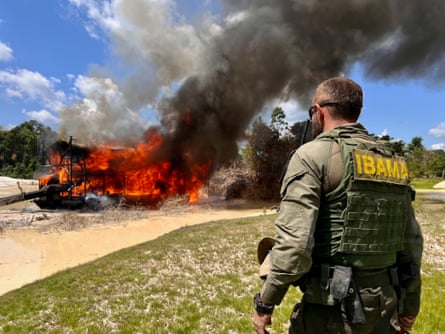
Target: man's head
(336, 101)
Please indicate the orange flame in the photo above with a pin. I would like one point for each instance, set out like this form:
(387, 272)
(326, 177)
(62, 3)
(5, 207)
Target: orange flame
(132, 173)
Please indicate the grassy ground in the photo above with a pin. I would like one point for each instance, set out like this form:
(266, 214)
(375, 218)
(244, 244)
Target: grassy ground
(199, 279)
(425, 183)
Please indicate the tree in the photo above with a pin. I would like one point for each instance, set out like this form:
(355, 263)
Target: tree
(278, 121)
(269, 147)
(22, 147)
(436, 163)
(416, 145)
(267, 152)
(417, 158)
(397, 146)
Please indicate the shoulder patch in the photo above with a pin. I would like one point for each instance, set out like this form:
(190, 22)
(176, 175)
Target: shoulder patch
(370, 166)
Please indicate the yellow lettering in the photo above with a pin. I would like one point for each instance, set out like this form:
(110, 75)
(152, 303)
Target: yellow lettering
(381, 170)
(389, 168)
(376, 167)
(395, 170)
(404, 170)
(368, 165)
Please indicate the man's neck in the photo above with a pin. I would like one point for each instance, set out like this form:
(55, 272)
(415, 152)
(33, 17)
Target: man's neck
(332, 124)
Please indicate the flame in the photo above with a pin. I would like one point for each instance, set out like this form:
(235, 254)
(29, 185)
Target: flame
(131, 172)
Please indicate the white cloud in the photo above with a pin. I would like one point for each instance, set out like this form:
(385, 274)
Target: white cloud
(439, 131)
(33, 86)
(291, 108)
(5, 52)
(159, 36)
(439, 146)
(100, 15)
(71, 77)
(43, 116)
(383, 133)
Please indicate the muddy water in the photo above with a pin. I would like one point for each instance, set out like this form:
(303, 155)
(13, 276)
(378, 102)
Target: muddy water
(29, 255)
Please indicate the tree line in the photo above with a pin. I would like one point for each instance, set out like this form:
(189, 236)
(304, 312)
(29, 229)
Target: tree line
(265, 153)
(270, 145)
(23, 149)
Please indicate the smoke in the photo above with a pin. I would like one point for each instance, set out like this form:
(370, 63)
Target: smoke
(262, 50)
(152, 53)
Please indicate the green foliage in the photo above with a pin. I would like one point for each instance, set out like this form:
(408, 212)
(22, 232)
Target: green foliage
(269, 146)
(22, 149)
(397, 146)
(425, 183)
(416, 156)
(436, 163)
(278, 121)
(266, 153)
(424, 163)
(416, 145)
(268, 150)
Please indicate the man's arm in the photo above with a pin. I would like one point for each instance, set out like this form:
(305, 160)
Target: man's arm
(409, 262)
(295, 225)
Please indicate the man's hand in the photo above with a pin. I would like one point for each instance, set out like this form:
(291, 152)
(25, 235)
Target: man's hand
(260, 321)
(406, 322)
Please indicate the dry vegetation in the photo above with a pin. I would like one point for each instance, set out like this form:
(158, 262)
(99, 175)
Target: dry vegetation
(432, 220)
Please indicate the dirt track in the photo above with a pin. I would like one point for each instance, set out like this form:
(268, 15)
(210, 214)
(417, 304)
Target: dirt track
(28, 254)
(35, 244)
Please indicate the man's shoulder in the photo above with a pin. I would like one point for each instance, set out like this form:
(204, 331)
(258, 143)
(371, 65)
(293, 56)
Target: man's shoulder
(315, 146)
(316, 152)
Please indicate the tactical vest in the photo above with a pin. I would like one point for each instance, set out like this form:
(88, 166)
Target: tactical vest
(362, 222)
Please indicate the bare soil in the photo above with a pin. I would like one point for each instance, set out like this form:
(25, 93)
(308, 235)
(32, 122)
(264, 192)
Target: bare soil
(36, 243)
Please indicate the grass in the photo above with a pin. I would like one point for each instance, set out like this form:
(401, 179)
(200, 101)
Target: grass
(425, 183)
(199, 279)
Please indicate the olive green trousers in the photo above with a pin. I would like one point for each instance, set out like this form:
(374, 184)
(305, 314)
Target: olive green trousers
(379, 305)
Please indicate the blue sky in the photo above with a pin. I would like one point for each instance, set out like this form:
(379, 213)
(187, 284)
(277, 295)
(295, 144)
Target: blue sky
(68, 55)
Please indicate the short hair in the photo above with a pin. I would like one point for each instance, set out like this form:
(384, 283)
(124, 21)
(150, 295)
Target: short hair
(345, 92)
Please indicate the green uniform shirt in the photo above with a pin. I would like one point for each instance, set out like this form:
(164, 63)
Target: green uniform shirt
(314, 169)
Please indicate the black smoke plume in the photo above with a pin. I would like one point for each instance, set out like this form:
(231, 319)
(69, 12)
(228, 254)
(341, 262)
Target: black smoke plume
(262, 50)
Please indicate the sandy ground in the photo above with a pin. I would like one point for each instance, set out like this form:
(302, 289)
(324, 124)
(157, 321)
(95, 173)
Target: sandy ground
(440, 185)
(35, 244)
(27, 255)
(31, 250)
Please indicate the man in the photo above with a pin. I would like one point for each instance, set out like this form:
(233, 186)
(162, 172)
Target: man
(346, 231)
